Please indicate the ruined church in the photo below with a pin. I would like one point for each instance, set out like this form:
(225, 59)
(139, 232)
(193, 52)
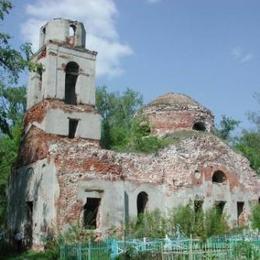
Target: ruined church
(62, 175)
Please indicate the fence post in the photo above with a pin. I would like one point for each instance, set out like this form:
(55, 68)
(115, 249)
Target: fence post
(190, 248)
(162, 251)
(79, 255)
(114, 249)
(89, 249)
(62, 252)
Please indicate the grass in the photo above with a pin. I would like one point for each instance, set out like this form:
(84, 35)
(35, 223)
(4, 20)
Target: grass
(31, 255)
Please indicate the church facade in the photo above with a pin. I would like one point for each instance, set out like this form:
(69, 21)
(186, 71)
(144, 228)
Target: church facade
(63, 177)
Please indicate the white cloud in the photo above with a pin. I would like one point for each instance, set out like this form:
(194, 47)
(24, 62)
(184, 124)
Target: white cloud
(98, 16)
(241, 56)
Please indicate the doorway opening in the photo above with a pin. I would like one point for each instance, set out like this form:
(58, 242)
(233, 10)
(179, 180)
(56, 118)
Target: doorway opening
(220, 205)
(240, 210)
(90, 215)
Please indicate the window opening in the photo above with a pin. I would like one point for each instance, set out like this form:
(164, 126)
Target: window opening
(198, 206)
(220, 205)
(71, 70)
(199, 126)
(29, 223)
(39, 72)
(219, 177)
(73, 124)
(90, 215)
(240, 209)
(142, 200)
(198, 210)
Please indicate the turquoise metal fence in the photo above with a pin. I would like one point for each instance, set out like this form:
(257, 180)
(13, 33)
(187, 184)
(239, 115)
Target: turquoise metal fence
(228, 247)
(89, 251)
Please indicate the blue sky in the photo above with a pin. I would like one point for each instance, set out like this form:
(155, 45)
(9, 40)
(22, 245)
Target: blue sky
(206, 49)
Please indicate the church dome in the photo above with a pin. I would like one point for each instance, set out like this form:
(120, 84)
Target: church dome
(172, 111)
(175, 100)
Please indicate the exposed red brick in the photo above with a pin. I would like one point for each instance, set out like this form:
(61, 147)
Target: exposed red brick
(35, 113)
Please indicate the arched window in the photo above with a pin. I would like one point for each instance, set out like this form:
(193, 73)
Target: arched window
(199, 126)
(72, 70)
(142, 200)
(219, 177)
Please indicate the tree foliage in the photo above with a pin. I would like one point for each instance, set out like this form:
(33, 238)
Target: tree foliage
(249, 146)
(117, 111)
(122, 128)
(249, 142)
(12, 104)
(226, 127)
(12, 63)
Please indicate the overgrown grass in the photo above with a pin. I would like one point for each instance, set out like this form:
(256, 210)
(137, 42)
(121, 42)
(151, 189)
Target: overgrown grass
(154, 224)
(73, 235)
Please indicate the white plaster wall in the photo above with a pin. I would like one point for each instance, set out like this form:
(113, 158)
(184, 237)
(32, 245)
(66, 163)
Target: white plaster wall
(112, 208)
(35, 90)
(58, 30)
(56, 121)
(37, 183)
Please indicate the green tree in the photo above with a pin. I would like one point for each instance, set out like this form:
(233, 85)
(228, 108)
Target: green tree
(117, 111)
(124, 128)
(249, 141)
(254, 117)
(249, 145)
(12, 103)
(12, 63)
(226, 127)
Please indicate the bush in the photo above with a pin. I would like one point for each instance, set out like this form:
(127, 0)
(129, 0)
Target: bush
(150, 224)
(255, 217)
(199, 224)
(74, 234)
(215, 223)
(245, 250)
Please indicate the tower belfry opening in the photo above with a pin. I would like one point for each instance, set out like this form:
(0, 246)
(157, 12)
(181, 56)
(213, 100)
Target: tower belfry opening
(72, 30)
(72, 70)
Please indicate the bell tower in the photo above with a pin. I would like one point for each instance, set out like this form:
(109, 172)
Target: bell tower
(62, 89)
